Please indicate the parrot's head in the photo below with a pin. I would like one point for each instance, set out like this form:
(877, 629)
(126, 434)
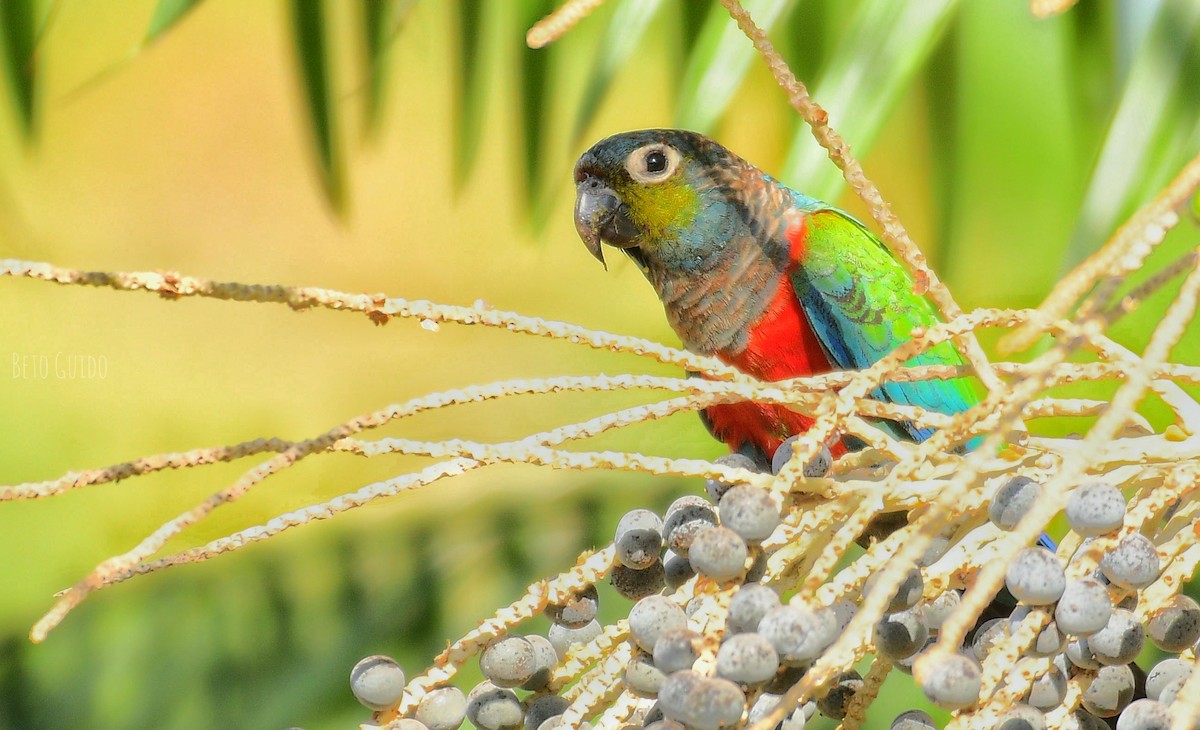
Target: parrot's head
(640, 190)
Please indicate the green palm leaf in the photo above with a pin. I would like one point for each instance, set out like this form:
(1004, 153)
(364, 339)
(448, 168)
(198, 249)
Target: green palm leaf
(18, 31)
(719, 62)
(873, 64)
(309, 43)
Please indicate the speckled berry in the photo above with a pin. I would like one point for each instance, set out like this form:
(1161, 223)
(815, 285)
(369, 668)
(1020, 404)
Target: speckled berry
(651, 616)
(748, 606)
(1084, 607)
(639, 540)
(1177, 626)
(563, 638)
(443, 708)
(1036, 577)
(913, 720)
(719, 554)
(747, 659)
(1133, 563)
(1012, 500)
(509, 661)
(377, 682)
(685, 518)
(1021, 717)
(845, 686)
(907, 595)
(1120, 641)
(578, 610)
(1110, 691)
(750, 512)
(642, 677)
(1145, 715)
(1165, 672)
(1095, 508)
(900, 635)
(545, 658)
(677, 649)
(541, 708)
(678, 570)
(818, 467)
(715, 488)
(950, 681)
(494, 708)
(637, 584)
(796, 633)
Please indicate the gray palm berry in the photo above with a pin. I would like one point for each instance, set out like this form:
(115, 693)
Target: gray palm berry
(578, 610)
(1110, 691)
(1047, 691)
(714, 488)
(1012, 500)
(913, 720)
(954, 682)
(686, 517)
(906, 596)
(1095, 508)
(563, 638)
(749, 605)
(986, 636)
(718, 553)
(818, 467)
(833, 704)
(1081, 654)
(509, 661)
(443, 708)
(1132, 563)
(543, 707)
(639, 539)
(750, 512)
(1084, 607)
(1120, 641)
(1165, 672)
(377, 682)
(715, 704)
(637, 584)
(545, 657)
(1145, 715)
(900, 635)
(677, 649)
(494, 708)
(642, 677)
(677, 568)
(1036, 577)
(747, 659)
(673, 695)
(1022, 717)
(935, 612)
(651, 616)
(1177, 626)
(796, 633)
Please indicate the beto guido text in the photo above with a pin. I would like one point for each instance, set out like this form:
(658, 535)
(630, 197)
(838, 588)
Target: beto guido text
(59, 366)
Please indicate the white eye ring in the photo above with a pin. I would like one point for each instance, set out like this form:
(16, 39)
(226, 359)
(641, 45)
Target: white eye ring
(653, 163)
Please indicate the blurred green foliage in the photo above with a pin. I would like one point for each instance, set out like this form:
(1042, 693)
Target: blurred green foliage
(209, 138)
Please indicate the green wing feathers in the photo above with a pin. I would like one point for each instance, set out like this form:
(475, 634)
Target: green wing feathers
(861, 304)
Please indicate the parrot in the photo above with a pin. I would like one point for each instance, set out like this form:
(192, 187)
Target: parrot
(768, 280)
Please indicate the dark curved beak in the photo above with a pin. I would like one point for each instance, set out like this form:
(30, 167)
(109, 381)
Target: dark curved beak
(601, 216)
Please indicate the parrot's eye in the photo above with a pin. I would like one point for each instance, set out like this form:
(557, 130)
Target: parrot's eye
(652, 163)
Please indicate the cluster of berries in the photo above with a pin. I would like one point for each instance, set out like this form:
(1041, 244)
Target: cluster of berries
(691, 672)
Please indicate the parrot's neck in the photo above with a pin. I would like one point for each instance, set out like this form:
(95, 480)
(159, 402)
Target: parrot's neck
(715, 296)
